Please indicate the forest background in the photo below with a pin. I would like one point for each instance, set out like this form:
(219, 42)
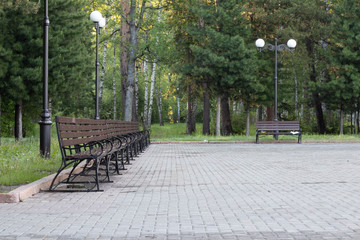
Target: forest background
(193, 61)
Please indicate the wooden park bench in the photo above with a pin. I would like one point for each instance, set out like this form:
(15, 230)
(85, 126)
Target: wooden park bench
(99, 145)
(278, 128)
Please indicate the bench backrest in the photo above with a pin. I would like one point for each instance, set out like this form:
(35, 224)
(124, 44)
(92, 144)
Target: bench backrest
(73, 133)
(121, 128)
(277, 125)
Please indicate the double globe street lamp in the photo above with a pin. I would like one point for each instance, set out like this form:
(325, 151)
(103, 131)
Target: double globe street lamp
(99, 21)
(260, 44)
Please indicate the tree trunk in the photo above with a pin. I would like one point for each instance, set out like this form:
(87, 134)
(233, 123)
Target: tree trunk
(296, 89)
(357, 117)
(225, 113)
(269, 113)
(158, 99)
(191, 110)
(124, 58)
(153, 81)
(341, 120)
(319, 113)
(329, 117)
(102, 77)
(152, 86)
(260, 113)
(130, 83)
(159, 93)
(305, 108)
(206, 112)
(134, 116)
(146, 91)
(161, 117)
(218, 115)
(351, 123)
(247, 119)
(136, 92)
(114, 78)
(315, 94)
(178, 108)
(18, 121)
(0, 119)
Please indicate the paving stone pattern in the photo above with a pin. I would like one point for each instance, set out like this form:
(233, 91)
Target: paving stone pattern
(207, 191)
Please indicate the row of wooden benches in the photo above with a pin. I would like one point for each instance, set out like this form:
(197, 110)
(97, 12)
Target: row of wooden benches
(94, 149)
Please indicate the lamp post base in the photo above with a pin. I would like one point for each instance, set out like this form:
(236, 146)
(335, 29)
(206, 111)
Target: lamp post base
(45, 135)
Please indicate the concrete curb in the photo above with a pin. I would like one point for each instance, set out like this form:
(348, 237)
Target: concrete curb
(21, 193)
(249, 142)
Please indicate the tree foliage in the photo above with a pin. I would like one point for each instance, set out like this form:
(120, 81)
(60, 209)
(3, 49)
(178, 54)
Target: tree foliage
(204, 48)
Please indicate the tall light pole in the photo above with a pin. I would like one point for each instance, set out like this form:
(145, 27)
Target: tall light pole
(99, 21)
(45, 122)
(260, 44)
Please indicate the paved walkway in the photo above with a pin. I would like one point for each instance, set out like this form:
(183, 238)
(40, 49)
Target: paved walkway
(207, 191)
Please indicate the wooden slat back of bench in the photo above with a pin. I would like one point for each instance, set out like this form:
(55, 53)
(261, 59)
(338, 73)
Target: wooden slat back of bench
(278, 125)
(120, 128)
(77, 131)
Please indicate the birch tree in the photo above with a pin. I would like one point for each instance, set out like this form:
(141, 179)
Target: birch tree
(146, 91)
(137, 91)
(103, 69)
(153, 76)
(247, 132)
(124, 58)
(152, 86)
(130, 83)
(159, 99)
(114, 78)
(158, 86)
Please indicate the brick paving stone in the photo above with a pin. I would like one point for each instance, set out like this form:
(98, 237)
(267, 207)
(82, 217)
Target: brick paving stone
(207, 191)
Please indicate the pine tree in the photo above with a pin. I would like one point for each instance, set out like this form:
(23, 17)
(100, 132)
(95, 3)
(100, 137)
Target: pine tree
(71, 64)
(342, 91)
(221, 56)
(20, 77)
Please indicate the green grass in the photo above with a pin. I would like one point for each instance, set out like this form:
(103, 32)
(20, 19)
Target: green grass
(21, 163)
(177, 132)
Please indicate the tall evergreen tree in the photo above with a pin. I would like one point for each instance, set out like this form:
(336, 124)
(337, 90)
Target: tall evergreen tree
(221, 55)
(21, 76)
(182, 59)
(71, 58)
(343, 89)
(21, 58)
(310, 25)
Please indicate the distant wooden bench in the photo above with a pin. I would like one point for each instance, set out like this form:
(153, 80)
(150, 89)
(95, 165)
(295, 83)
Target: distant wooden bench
(99, 144)
(278, 128)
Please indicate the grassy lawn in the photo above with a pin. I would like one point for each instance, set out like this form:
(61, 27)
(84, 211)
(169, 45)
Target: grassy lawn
(177, 132)
(21, 163)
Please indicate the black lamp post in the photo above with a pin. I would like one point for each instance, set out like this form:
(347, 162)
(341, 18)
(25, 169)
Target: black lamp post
(99, 21)
(45, 122)
(260, 44)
